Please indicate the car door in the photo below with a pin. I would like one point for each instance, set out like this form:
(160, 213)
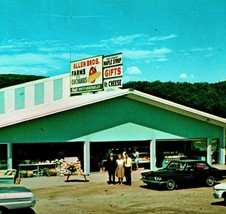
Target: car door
(202, 171)
(184, 174)
(190, 173)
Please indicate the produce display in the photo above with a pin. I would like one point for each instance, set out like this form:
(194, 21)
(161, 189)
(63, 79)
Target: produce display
(74, 168)
(63, 167)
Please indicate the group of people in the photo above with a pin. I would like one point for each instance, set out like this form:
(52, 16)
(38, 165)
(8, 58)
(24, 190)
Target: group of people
(121, 167)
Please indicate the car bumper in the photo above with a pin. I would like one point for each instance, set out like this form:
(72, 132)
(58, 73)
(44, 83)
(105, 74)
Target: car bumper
(217, 195)
(153, 182)
(18, 204)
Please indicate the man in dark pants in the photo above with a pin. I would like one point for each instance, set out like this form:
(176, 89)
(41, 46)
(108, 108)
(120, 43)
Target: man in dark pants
(128, 169)
(111, 167)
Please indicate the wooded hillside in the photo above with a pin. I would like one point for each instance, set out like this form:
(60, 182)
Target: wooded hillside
(15, 79)
(210, 98)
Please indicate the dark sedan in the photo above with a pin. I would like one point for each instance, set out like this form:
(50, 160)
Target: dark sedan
(182, 172)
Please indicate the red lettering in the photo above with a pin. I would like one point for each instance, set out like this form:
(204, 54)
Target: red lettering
(113, 72)
(79, 64)
(91, 62)
(119, 71)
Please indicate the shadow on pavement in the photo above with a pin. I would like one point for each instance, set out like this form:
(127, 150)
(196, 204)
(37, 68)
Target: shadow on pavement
(76, 180)
(219, 203)
(22, 211)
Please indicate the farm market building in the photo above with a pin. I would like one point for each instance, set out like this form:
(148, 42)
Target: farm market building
(40, 120)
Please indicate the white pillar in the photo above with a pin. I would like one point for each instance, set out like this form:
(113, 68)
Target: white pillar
(222, 149)
(9, 156)
(153, 154)
(222, 156)
(209, 151)
(86, 150)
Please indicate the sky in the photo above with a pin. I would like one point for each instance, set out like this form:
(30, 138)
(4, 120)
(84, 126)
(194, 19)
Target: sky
(161, 40)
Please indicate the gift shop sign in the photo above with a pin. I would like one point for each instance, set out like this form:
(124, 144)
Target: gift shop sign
(113, 70)
(87, 75)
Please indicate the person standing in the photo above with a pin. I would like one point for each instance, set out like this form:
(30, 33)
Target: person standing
(128, 169)
(120, 169)
(111, 167)
(136, 156)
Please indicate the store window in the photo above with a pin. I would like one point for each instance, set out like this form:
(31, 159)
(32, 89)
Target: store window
(58, 89)
(39, 93)
(19, 98)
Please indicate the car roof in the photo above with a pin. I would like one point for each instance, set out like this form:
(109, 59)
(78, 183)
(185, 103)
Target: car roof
(189, 161)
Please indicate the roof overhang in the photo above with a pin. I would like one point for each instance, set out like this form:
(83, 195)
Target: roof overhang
(177, 108)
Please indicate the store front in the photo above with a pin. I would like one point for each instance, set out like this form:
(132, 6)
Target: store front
(34, 153)
(99, 152)
(167, 150)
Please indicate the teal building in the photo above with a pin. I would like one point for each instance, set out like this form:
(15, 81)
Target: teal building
(41, 120)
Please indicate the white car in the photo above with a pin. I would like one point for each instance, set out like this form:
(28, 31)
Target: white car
(15, 197)
(220, 191)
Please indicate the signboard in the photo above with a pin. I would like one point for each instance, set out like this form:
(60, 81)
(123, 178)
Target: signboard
(113, 70)
(112, 60)
(87, 75)
(115, 82)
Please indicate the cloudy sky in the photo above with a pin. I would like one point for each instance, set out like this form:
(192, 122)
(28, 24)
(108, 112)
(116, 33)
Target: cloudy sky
(165, 40)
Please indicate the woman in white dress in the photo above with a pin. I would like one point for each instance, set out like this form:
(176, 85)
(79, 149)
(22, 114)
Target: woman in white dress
(120, 168)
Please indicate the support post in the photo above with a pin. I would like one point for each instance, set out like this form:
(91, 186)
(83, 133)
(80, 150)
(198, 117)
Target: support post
(222, 149)
(9, 156)
(86, 150)
(209, 151)
(153, 154)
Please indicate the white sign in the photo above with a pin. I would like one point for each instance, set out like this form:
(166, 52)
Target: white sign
(112, 60)
(114, 82)
(87, 75)
(112, 72)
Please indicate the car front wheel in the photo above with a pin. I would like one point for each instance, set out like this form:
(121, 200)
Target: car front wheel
(210, 181)
(170, 184)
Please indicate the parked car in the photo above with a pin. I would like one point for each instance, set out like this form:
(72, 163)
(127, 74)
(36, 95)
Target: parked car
(15, 197)
(182, 172)
(220, 191)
